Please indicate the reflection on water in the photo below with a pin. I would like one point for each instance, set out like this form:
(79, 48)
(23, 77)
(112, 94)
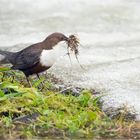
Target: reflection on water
(110, 36)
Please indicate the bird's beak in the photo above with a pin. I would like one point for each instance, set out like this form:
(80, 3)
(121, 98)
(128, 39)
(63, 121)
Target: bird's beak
(66, 38)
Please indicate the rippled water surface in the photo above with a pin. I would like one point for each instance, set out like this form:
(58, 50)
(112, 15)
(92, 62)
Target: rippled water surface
(109, 31)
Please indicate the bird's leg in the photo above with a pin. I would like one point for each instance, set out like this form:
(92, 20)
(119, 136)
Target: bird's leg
(42, 83)
(12, 81)
(38, 76)
(30, 84)
(3, 75)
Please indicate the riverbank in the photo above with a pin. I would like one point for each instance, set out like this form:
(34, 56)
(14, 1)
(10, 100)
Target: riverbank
(55, 111)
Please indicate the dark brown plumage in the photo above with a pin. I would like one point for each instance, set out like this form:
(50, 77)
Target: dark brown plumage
(28, 59)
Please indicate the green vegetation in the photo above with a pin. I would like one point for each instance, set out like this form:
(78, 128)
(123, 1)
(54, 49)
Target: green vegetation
(35, 112)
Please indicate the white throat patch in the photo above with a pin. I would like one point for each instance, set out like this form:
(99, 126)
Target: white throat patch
(49, 57)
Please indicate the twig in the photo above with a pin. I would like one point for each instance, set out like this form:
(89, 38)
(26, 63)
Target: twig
(65, 89)
(69, 56)
(79, 62)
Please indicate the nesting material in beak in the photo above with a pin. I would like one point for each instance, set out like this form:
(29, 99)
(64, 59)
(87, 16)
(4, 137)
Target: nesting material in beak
(73, 44)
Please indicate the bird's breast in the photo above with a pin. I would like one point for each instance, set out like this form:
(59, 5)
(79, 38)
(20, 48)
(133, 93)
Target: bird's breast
(48, 57)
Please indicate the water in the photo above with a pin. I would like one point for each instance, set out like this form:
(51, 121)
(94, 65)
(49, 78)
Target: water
(109, 32)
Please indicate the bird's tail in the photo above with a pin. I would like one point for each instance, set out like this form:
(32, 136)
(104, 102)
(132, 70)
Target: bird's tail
(5, 56)
(5, 53)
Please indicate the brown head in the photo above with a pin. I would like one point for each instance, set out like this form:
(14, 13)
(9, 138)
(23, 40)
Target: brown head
(54, 39)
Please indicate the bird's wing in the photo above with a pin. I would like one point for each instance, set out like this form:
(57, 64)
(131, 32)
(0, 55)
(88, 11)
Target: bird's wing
(27, 58)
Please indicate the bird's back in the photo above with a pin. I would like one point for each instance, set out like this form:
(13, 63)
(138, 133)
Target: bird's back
(27, 57)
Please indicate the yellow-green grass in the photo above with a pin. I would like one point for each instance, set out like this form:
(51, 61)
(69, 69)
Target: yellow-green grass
(44, 113)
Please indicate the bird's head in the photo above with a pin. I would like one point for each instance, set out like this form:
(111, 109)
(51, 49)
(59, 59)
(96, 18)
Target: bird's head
(55, 38)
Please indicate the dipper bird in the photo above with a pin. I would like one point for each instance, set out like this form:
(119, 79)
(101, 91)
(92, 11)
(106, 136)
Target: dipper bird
(37, 57)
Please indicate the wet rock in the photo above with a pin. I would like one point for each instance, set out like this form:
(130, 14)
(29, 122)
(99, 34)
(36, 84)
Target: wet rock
(75, 91)
(63, 89)
(124, 112)
(27, 118)
(136, 131)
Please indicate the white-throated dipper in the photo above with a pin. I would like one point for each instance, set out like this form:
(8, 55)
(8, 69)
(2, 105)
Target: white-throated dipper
(36, 58)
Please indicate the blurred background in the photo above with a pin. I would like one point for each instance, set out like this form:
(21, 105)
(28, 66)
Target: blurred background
(109, 31)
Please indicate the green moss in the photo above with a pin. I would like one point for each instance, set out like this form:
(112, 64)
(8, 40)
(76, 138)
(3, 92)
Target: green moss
(31, 112)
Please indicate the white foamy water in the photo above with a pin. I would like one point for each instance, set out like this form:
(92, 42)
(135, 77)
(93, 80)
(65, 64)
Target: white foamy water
(109, 31)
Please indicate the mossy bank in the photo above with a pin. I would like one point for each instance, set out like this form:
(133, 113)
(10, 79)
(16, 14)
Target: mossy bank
(49, 112)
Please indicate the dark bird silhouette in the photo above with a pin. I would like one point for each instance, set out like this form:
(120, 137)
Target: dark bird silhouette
(36, 58)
